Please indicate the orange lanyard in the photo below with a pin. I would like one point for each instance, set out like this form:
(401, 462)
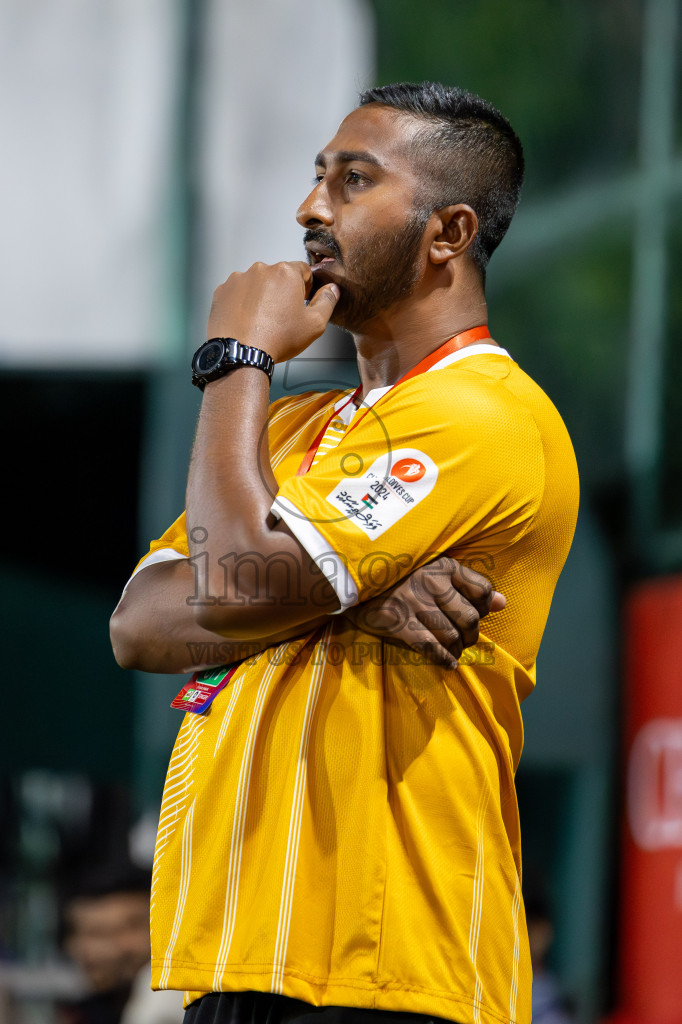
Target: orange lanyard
(452, 345)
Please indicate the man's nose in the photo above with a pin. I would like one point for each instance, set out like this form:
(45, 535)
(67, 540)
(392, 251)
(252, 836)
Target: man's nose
(315, 209)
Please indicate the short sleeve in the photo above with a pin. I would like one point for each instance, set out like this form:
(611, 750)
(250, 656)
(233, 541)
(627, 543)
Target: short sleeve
(431, 468)
(170, 545)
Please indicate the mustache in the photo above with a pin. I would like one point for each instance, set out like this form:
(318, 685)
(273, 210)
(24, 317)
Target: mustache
(317, 235)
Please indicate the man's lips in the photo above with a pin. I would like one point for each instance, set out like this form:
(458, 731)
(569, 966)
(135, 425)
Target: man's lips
(320, 257)
(322, 250)
(321, 261)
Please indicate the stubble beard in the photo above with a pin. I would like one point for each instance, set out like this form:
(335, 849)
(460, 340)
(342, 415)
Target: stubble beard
(383, 272)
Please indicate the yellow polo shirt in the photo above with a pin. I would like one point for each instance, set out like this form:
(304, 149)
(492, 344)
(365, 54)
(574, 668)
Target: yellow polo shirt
(341, 826)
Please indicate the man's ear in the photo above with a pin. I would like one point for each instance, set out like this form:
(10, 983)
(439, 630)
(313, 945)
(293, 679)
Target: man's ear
(459, 227)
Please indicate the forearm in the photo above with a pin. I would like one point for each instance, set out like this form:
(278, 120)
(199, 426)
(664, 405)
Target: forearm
(154, 628)
(255, 574)
(230, 486)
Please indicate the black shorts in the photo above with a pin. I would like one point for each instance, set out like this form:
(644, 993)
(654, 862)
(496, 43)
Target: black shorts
(265, 1008)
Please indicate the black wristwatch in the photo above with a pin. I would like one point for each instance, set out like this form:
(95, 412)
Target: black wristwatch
(219, 356)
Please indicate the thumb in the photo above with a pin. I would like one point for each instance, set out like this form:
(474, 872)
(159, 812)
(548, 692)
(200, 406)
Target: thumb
(325, 299)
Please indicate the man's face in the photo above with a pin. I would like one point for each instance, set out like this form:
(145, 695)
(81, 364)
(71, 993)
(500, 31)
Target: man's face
(109, 937)
(363, 229)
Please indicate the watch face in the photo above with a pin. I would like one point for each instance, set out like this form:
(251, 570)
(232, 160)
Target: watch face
(208, 357)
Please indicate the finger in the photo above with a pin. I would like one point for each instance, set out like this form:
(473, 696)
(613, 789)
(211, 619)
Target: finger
(384, 617)
(431, 579)
(436, 596)
(462, 615)
(443, 630)
(475, 588)
(327, 293)
(303, 268)
(436, 581)
(304, 271)
(420, 638)
(324, 300)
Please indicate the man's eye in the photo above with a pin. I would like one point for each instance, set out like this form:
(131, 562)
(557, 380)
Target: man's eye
(355, 178)
(317, 179)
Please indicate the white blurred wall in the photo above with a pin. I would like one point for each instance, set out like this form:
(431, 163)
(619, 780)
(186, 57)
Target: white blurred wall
(279, 77)
(89, 94)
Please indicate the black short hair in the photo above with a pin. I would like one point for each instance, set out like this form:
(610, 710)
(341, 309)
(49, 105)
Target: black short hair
(97, 883)
(468, 151)
(111, 879)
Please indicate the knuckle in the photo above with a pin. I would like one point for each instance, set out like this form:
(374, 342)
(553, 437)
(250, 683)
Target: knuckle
(468, 619)
(451, 636)
(456, 646)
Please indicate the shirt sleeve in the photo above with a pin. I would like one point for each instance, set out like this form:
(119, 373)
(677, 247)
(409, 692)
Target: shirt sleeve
(432, 468)
(170, 545)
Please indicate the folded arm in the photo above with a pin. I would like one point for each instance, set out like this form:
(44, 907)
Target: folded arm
(435, 610)
(154, 627)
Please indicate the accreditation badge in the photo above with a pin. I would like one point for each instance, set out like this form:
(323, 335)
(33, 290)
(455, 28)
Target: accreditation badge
(199, 693)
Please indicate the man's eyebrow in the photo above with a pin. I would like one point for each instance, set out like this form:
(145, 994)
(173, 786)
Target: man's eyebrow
(346, 156)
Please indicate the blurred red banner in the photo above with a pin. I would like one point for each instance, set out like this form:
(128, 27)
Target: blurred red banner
(651, 895)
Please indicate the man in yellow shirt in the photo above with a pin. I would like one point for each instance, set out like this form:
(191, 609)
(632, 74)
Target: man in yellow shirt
(339, 831)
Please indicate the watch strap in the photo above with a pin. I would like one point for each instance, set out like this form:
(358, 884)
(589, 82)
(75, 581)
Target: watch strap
(235, 355)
